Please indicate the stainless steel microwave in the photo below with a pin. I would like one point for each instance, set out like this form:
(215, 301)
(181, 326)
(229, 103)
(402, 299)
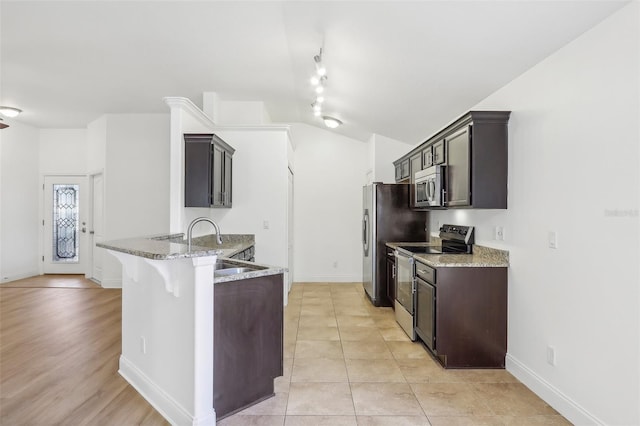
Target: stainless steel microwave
(428, 185)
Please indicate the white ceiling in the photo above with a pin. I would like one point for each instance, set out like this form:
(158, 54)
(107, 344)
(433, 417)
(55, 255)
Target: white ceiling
(399, 69)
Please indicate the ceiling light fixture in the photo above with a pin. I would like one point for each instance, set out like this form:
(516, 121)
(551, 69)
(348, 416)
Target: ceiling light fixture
(9, 111)
(320, 68)
(319, 81)
(331, 122)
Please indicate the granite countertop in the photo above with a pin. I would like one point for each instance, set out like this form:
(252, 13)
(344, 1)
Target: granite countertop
(482, 257)
(174, 246)
(158, 247)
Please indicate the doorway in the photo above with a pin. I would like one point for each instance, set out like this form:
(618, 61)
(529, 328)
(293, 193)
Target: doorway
(65, 225)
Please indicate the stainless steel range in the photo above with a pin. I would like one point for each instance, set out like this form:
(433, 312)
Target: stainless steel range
(455, 240)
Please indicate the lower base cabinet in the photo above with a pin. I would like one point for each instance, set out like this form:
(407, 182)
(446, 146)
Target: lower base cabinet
(462, 316)
(248, 342)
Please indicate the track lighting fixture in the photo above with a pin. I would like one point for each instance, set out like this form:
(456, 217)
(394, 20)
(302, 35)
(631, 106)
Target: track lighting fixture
(318, 81)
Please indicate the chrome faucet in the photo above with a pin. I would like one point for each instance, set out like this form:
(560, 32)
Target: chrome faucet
(202, 219)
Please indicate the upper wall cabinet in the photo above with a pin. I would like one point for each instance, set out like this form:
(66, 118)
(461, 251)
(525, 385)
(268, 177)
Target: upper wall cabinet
(473, 153)
(207, 171)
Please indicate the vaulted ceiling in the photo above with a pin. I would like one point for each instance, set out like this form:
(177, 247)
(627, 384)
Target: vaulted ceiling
(395, 68)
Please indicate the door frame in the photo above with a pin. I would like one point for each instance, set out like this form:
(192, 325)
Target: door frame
(42, 210)
(91, 222)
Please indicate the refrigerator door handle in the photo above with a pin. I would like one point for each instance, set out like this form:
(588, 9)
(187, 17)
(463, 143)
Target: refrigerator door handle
(365, 232)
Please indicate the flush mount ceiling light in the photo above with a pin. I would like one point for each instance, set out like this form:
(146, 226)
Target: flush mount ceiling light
(9, 111)
(331, 122)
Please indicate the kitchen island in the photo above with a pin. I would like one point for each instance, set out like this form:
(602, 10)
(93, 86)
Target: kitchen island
(188, 334)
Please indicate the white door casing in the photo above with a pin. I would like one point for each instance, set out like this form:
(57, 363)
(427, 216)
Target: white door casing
(96, 226)
(290, 232)
(68, 253)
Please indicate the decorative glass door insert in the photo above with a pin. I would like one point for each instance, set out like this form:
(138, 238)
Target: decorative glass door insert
(66, 223)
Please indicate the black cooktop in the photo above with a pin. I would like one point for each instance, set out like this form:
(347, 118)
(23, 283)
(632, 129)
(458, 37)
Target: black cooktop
(456, 239)
(422, 249)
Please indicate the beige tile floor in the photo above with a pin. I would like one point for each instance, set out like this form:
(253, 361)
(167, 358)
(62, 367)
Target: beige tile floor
(348, 363)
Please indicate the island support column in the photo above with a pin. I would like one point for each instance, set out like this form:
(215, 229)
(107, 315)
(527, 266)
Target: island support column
(167, 334)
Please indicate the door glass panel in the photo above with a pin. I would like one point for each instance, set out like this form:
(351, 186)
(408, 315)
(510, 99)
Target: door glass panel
(65, 223)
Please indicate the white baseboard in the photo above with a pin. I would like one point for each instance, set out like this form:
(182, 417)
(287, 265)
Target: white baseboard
(570, 409)
(29, 274)
(165, 404)
(112, 283)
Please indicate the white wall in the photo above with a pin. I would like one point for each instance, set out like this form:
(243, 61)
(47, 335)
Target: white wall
(96, 144)
(329, 175)
(385, 151)
(574, 169)
(19, 195)
(63, 151)
(259, 193)
(136, 180)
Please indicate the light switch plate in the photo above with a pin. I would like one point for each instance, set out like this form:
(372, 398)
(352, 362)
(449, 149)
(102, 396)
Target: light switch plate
(553, 239)
(499, 233)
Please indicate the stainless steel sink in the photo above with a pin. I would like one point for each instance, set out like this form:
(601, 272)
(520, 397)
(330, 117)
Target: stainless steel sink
(224, 265)
(231, 271)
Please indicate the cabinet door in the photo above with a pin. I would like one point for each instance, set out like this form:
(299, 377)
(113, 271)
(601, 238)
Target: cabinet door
(228, 163)
(398, 172)
(438, 153)
(416, 164)
(458, 188)
(425, 312)
(405, 168)
(197, 169)
(217, 176)
(391, 279)
(427, 157)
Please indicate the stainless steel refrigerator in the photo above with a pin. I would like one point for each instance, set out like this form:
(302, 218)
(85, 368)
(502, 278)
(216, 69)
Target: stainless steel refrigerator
(386, 217)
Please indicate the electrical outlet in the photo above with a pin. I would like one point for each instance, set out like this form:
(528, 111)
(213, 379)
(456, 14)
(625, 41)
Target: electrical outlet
(335, 264)
(551, 355)
(143, 345)
(553, 239)
(265, 224)
(499, 233)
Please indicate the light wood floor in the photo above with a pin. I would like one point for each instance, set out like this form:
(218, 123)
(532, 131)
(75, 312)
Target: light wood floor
(346, 363)
(59, 350)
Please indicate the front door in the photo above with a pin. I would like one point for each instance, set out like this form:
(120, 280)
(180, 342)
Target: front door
(65, 225)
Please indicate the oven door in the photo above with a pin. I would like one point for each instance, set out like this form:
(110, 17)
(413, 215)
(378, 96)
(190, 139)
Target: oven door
(404, 281)
(404, 306)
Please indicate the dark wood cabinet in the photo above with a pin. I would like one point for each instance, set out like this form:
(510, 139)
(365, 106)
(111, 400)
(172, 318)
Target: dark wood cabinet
(438, 153)
(248, 341)
(197, 170)
(457, 184)
(208, 171)
(473, 150)
(461, 315)
(415, 164)
(402, 169)
(247, 254)
(391, 276)
(427, 156)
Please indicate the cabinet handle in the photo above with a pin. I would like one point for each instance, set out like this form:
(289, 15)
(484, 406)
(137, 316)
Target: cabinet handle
(393, 273)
